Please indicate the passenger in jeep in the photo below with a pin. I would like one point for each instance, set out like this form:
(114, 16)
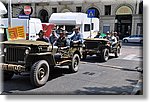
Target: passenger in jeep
(77, 37)
(62, 41)
(42, 37)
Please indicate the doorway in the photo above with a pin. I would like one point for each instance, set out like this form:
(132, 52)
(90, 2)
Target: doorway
(123, 25)
(43, 15)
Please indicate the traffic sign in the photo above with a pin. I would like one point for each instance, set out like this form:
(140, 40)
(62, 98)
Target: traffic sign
(27, 10)
(24, 16)
(91, 13)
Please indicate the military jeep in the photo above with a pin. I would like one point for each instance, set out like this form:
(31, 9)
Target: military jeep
(38, 59)
(101, 48)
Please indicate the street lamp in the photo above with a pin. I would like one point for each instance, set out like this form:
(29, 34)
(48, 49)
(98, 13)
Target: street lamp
(9, 13)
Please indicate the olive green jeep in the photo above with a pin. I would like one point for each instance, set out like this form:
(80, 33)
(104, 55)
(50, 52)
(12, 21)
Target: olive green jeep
(101, 48)
(38, 59)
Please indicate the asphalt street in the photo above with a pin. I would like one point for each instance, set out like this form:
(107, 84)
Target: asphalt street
(118, 76)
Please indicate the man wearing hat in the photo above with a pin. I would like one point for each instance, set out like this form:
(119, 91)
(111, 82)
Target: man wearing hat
(62, 41)
(41, 37)
(53, 37)
(77, 37)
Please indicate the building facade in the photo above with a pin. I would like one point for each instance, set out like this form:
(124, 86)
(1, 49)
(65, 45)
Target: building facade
(123, 16)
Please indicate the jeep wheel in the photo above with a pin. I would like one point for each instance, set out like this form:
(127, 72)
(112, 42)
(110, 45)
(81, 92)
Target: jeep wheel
(117, 52)
(75, 63)
(105, 55)
(39, 73)
(7, 75)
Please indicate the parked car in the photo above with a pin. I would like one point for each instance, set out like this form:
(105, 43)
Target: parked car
(133, 38)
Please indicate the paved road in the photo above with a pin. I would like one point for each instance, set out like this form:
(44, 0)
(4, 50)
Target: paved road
(117, 76)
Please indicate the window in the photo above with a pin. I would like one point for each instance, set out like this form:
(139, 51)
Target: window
(54, 10)
(106, 28)
(78, 9)
(107, 9)
(141, 8)
(87, 27)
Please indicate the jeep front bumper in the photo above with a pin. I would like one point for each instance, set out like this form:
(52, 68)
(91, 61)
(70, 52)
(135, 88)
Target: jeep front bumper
(12, 67)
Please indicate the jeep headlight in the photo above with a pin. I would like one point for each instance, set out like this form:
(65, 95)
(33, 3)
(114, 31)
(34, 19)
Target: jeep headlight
(27, 51)
(5, 50)
(40, 48)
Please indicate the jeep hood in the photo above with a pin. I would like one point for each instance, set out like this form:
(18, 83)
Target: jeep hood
(25, 42)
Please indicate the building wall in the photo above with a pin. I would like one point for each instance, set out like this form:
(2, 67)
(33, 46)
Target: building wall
(105, 20)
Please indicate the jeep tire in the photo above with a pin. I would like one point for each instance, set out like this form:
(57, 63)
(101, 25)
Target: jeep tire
(105, 55)
(39, 73)
(74, 63)
(7, 75)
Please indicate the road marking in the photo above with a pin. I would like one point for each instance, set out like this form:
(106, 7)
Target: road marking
(132, 57)
(117, 67)
(129, 57)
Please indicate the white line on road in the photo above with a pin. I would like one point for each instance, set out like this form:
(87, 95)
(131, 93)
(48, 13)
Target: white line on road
(129, 57)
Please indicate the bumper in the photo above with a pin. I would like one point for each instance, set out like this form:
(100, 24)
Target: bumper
(91, 51)
(12, 67)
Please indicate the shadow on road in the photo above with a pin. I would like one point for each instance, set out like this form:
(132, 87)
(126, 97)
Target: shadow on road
(132, 44)
(124, 90)
(22, 83)
(115, 90)
(95, 59)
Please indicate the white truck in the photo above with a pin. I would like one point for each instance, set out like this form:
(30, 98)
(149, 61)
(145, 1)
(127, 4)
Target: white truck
(31, 27)
(2, 9)
(69, 20)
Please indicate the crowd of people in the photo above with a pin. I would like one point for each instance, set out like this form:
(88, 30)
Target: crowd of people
(111, 36)
(59, 37)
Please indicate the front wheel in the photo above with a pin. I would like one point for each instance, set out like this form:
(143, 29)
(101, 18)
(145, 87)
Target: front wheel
(39, 73)
(105, 55)
(75, 63)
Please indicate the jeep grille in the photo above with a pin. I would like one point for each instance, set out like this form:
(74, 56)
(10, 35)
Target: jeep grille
(91, 45)
(15, 54)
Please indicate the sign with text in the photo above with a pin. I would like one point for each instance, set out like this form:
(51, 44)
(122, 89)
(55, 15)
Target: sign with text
(16, 33)
(24, 16)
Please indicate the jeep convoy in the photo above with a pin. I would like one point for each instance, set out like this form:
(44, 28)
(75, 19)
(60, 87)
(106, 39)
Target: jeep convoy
(39, 58)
